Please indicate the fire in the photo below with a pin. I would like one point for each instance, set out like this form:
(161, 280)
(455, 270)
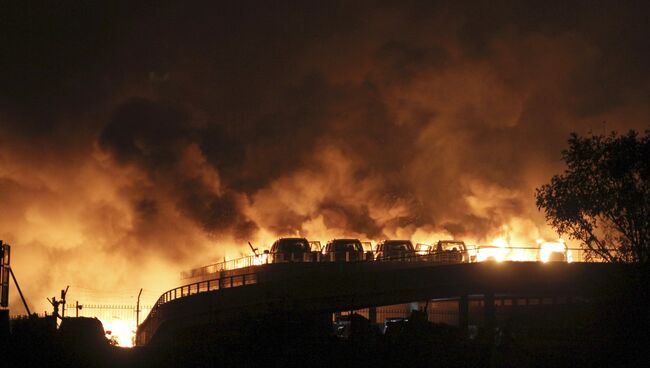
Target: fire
(497, 251)
(491, 253)
(120, 330)
(553, 251)
(545, 251)
(260, 259)
(519, 255)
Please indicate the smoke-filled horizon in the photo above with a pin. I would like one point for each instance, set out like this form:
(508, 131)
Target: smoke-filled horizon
(137, 140)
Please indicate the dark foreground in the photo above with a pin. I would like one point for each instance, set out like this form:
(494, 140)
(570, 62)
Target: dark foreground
(613, 331)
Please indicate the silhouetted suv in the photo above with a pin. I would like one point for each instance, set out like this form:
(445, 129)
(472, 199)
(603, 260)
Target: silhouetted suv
(343, 250)
(444, 251)
(451, 251)
(290, 250)
(395, 250)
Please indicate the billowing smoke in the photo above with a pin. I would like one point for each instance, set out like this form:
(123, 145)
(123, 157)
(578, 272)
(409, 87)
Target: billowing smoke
(139, 141)
(158, 140)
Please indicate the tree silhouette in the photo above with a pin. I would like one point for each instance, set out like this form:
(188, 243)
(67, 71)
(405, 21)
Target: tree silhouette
(603, 197)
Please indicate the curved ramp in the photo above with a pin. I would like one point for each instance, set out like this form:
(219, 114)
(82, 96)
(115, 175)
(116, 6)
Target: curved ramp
(330, 287)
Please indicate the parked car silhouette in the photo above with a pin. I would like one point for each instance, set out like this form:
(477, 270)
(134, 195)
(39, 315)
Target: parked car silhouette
(344, 250)
(452, 251)
(290, 250)
(395, 250)
(444, 251)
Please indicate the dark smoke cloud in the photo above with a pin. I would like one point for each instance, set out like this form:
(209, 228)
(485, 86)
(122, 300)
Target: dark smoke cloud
(147, 133)
(170, 130)
(154, 136)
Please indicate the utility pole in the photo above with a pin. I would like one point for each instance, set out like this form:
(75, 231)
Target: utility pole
(137, 311)
(5, 272)
(77, 307)
(63, 294)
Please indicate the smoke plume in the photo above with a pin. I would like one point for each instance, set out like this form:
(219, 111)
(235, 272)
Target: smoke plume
(137, 140)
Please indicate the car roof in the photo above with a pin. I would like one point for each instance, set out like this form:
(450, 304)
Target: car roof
(345, 240)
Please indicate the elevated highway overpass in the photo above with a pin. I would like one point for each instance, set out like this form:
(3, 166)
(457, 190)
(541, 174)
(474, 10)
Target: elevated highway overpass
(328, 287)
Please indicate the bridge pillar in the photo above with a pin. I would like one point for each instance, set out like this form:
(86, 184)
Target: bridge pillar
(463, 312)
(489, 311)
(372, 314)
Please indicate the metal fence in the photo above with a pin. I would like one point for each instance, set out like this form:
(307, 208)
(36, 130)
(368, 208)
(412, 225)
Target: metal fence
(232, 264)
(207, 285)
(106, 312)
(103, 312)
(472, 254)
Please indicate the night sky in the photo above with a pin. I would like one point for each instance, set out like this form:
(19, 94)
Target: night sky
(137, 140)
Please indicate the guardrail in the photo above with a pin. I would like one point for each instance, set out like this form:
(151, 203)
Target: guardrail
(208, 285)
(232, 264)
(473, 254)
(151, 323)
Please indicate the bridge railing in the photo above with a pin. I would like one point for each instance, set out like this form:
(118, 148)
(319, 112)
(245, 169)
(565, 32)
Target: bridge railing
(232, 264)
(314, 256)
(207, 285)
(151, 323)
(473, 254)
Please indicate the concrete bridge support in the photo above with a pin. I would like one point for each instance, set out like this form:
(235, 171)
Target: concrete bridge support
(489, 311)
(372, 314)
(463, 312)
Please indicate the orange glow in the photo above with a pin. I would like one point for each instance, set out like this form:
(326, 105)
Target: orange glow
(490, 253)
(260, 259)
(122, 331)
(553, 251)
(521, 255)
(111, 195)
(497, 251)
(422, 249)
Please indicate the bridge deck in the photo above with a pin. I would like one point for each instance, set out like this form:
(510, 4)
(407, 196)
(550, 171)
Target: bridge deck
(329, 287)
